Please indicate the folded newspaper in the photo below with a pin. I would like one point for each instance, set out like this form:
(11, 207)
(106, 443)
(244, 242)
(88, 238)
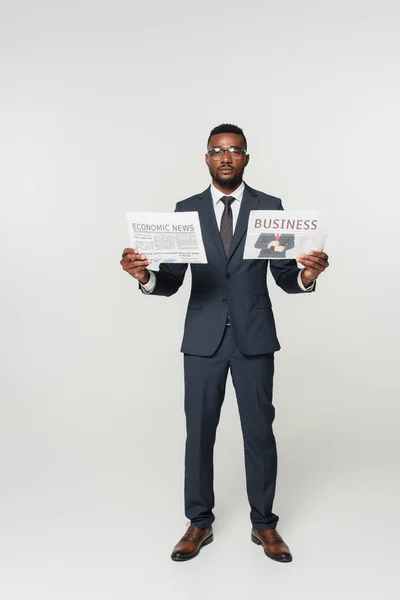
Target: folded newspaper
(277, 234)
(167, 237)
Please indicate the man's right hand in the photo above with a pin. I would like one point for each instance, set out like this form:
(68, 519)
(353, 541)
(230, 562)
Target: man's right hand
(135, 264)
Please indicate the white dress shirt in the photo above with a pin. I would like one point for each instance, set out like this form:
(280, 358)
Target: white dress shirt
(219, 206)
(219, 209)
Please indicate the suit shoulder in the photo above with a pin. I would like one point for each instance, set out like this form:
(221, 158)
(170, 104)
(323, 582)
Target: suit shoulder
(189, 203)
(272, 202)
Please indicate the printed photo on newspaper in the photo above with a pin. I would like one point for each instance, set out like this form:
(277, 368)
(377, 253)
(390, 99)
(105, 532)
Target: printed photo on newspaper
(277, 234)
(167, 237)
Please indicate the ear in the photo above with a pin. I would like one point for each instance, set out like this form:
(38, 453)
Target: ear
(247, 160)
(207, 157)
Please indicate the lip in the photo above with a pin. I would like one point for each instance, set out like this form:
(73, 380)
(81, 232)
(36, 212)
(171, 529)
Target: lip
(227, 169)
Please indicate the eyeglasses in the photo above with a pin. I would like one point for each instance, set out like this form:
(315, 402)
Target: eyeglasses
(234, 151)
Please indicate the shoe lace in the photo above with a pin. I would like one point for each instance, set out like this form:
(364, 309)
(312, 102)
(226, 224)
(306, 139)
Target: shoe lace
(192, 534)
(274, 536)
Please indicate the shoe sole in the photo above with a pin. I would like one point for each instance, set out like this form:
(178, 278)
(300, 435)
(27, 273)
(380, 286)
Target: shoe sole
(205, 543)
(272, 556)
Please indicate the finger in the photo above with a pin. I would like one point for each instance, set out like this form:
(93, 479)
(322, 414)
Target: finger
(311, 265)
(319, 253)
(313, 256)
(134, 264)
(315, 260)
(311, 261)
(136, 272)
(136, 257)
(129, 251)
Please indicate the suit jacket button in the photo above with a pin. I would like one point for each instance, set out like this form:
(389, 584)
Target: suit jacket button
(228, 275)
(224, 300)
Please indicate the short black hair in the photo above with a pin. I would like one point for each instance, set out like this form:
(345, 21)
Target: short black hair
(227, 128)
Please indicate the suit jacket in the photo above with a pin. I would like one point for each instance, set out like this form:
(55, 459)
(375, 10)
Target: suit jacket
(285, 239)
(228, 285)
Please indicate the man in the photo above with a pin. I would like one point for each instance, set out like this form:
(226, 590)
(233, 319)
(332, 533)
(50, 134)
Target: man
(274, 245)
(229, 326)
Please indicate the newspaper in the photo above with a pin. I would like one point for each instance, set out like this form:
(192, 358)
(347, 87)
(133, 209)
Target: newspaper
(277, 234)
(167, 237)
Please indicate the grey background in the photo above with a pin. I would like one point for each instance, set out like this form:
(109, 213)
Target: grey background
(106, 107)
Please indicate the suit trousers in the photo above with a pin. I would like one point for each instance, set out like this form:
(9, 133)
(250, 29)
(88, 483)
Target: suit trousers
(205, 381)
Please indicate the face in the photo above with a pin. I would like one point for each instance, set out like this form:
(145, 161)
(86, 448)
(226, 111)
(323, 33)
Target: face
(227, 172)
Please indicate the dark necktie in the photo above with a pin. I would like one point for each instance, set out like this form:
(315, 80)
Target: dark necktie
(226, 229)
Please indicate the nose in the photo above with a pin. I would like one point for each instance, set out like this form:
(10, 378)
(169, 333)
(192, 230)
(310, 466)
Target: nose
(226, 157)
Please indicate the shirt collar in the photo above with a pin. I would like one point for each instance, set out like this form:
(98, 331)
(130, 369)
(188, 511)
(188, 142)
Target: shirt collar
(217, 194)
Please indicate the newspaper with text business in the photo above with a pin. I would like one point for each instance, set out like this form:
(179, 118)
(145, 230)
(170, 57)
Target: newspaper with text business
(277, 234)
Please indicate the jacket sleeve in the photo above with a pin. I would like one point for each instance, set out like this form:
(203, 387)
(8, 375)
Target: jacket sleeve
(170, 276)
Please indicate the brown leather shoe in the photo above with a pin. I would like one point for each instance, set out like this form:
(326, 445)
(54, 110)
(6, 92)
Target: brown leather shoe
(191, 543)
(274, 546)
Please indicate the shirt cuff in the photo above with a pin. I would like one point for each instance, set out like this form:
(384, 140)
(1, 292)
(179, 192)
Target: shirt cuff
(309, 288)
(148, 287)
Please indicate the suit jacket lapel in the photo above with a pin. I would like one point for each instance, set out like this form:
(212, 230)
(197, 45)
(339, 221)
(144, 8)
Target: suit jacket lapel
(249, 202)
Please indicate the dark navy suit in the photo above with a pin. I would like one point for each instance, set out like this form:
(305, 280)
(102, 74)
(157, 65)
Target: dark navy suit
(236, 288)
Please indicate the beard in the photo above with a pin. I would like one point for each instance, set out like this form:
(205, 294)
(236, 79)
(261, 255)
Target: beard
(228, 181)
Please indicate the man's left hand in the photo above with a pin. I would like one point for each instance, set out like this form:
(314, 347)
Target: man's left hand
(315, 263)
